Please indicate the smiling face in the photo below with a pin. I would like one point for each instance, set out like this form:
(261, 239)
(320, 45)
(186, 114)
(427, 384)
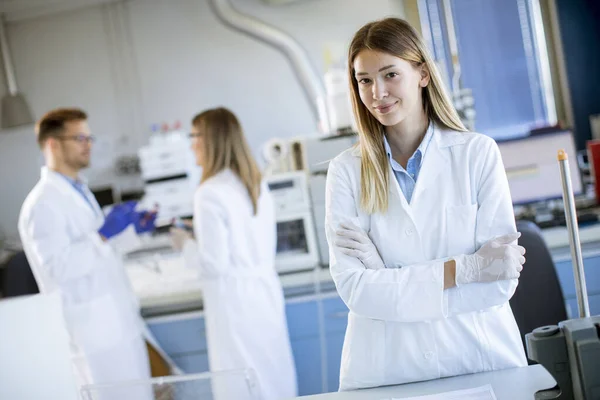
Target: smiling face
(389, 87)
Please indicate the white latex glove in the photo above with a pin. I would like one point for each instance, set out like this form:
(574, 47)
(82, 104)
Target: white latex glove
(498, 259)
(179, 237)
(354, 242)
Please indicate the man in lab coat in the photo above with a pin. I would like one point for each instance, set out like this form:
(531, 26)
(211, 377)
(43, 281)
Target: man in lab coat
(66, 239)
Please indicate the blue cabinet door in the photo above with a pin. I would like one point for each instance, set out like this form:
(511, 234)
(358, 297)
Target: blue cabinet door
(335, 341)
(179, 335)
(336, 320)
(192, 363)
(303, 326)
(307, 357)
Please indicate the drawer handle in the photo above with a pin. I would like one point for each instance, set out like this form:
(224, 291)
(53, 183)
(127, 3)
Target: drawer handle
(338, 315)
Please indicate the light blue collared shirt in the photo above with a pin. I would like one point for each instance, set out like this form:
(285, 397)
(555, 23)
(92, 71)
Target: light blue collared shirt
(81, 189)
(407, 178)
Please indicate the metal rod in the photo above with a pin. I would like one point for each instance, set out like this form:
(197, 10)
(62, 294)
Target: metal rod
(573, 229)
(452, 44)
(8, 67)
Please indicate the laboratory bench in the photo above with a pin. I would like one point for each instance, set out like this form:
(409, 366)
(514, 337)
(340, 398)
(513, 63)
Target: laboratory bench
(317, 319)
(508, 384)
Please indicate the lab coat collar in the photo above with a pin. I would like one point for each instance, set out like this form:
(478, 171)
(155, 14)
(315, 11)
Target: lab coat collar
(434, 161)
(65, 186)
(442, 138)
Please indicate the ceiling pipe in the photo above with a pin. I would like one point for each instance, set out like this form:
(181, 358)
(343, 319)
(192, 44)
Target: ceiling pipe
(309, 79)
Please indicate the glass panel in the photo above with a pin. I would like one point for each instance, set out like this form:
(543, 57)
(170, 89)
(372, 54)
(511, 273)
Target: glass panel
(503, 60)
(232, 384)
(291, 237)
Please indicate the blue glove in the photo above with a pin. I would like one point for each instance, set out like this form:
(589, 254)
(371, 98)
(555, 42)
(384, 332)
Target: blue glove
(119, 218)
(145, 221)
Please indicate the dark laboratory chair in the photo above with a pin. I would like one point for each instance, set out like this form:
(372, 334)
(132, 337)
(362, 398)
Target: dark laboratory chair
(17, 278)
(538, 300)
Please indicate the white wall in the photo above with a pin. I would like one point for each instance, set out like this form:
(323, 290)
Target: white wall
(147, 61)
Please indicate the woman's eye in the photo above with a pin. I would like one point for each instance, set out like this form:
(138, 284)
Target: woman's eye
(364, 81)
(391, 75)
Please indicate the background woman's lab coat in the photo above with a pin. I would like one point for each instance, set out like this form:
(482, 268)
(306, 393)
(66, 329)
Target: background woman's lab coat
(59, 231)
(403, 326)
(243, 299)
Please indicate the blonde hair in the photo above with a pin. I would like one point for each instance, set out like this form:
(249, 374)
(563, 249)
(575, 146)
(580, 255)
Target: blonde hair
(396, 37)
(225, 147)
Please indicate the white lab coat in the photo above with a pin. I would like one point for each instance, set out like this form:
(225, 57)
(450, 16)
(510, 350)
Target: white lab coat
(59, 232)
(402, 325)
(243, 299)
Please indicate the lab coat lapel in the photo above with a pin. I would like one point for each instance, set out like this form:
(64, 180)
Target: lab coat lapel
(437, 159)
(396, 194)
(97, 210)
(61, 183)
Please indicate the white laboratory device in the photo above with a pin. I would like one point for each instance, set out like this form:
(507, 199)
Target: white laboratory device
(296, 240)
(170, 176)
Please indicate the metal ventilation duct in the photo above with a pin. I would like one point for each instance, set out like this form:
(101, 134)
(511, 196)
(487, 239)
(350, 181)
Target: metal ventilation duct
(309, 79)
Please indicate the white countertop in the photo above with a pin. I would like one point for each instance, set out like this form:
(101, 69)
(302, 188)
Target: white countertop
(508, 384)
(162, 281)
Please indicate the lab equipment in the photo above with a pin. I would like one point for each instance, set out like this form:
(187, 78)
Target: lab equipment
(532, 173)
(296, 239)
(312, 155)
(571, 350)
(170, 176)
(276, 155)
(464, 102)
(338, 99)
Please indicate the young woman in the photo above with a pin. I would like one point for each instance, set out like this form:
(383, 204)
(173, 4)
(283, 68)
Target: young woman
(420, 225)
(234, 225)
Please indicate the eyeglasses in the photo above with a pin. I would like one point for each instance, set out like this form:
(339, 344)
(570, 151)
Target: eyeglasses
(81, 139)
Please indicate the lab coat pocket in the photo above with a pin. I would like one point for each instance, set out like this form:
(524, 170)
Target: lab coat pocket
(96, 325)
(461, 222)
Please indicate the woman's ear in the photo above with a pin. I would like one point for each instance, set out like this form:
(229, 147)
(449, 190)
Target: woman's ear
(424, 71)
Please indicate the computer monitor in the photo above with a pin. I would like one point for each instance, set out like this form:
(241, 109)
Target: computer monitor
(532, 167)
